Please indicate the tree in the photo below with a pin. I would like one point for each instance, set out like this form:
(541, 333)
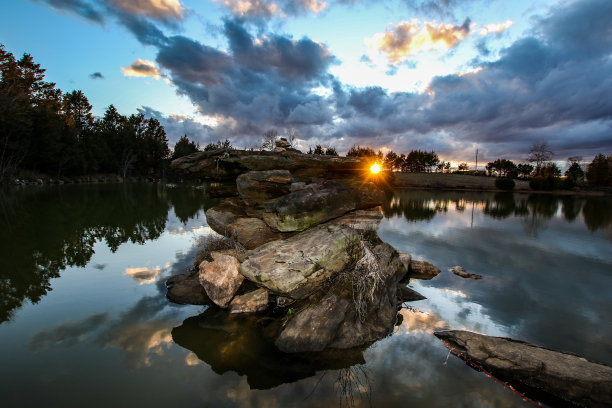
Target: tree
(292, 136)
(463, 166)
(539, 154)
(318, 150)
(420, 161)
(219, 145)
(524, 169)
(269, 139)
(358, 151)
(331, 151)
(184, 147)
(574, 173)
(599, 171)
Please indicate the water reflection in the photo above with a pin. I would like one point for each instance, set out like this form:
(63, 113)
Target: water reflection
(47, 229)
(534, 209)
(244, 344)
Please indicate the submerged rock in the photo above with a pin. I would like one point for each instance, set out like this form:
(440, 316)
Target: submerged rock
(186, 290)
(460, 271)
(319, 202)
(560, 374)
(252, 302)
(297, 266)
(422, 270)
(220, 278)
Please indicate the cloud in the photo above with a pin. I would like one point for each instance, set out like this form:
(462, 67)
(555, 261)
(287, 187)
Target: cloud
(496, 28)
(141, 68)
(96, 75)
(157, 9)
(408, 38)
(68, 332)
(267, 9)
(143, 276)
(82, 8)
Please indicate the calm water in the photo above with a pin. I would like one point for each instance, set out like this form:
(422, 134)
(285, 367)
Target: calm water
(85, 321)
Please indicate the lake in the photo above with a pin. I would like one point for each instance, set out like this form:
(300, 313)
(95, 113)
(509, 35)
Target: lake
(85, 321)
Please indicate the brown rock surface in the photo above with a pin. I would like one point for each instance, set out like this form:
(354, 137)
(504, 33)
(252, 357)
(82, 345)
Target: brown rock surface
(422, 270)
(560, 374)
(257, 187)
(186, 289)
(256, 301)
(220, 278)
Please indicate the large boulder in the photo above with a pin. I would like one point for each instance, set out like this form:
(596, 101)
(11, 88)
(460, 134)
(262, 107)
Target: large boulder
(360, 308)
(296, 267)
(562, 375)
(252, 232)
(257, 187)
(220, 278)
(220, 216)
(320, 202)
(229, 164)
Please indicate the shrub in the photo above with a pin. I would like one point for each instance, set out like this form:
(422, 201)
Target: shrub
(545, 183)
(504, 183)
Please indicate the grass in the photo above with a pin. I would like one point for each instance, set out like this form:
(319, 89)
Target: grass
(451, 181)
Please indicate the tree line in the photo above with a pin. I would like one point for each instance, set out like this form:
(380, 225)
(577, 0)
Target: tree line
(47, 131)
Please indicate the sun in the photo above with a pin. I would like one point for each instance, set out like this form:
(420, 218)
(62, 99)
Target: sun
(375, 168)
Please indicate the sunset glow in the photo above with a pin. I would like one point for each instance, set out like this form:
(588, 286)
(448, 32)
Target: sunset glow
(375, 168)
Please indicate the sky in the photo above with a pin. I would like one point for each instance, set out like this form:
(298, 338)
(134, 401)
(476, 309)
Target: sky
(451, 76)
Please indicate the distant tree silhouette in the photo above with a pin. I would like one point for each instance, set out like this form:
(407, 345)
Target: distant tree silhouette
(184, 147)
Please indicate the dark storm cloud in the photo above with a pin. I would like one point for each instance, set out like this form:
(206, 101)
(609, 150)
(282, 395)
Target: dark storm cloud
(96, 75)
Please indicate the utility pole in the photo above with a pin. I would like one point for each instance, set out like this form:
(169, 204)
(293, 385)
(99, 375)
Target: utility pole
(477, 160)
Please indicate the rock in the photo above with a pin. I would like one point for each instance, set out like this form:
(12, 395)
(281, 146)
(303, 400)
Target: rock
(219, 217)
(295, 267)
(422, 270)
(409, 295)
(252, 232)
(283, 143)
(315, 327)
(459, 271)
(405, 259)
(283, 301)
(320, 202)
(257, 187)
(229, 164)
(186, 290)
(299, 185)
(562, 375)
(220, 278)
(256, 301)
(361, 220)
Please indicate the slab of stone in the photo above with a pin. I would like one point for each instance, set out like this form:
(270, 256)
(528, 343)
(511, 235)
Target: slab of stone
(422, 270)
(320, 202)
(560, 374)
(296, 267)
(407, 294)
(252, 232)
(361, 220)
(257, 187)
(220, 278)
(252, 302)
(219, 217)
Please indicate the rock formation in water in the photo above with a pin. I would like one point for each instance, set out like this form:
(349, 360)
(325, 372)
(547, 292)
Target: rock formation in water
(561, 375)
(306, 245)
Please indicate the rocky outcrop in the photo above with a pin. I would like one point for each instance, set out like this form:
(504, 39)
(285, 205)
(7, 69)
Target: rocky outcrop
(409, 295)
(257, 187)
(460, 271)
(229, 164)
(252, 302)
(220, 278)
(361, 220)
(422, 270)
(186, 289)
(562, 375)
(296, 267)
(320, 202)
(219, 217)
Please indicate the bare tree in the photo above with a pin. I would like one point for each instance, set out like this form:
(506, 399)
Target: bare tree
(539, 154)
(292, 136)
(268, 140)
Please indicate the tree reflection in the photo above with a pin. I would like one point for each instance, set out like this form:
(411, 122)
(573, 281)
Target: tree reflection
(597, 214)
(44, 230)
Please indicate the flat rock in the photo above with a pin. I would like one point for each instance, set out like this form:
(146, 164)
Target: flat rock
(257, 187)
(460, 271)
(409, 295)
(560, 374)
(313, 328)
(320, 202)
(185, 289)
(220, 278)
(422, 270)
(361, 220)
(252, 302)
(295, 267)
(216, 190)
(230, 163)
(252, 232)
